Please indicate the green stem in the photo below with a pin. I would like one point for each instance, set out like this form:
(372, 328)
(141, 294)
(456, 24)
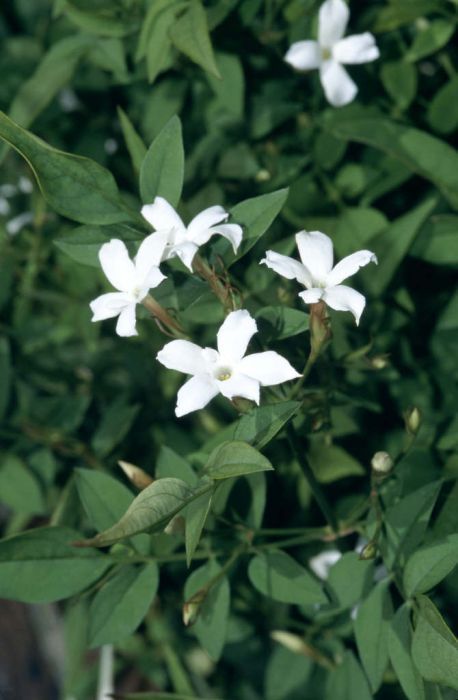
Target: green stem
(312, 358)
(317, 491)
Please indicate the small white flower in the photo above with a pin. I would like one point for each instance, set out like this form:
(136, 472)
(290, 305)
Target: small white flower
(332, 50)
(133, 279)
(317, 274)
(224, 371)
(322, 563)
(184, 241)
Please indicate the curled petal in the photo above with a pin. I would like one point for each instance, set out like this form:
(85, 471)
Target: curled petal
(195, 394)
(304, 55)
(332, 22)
(185, 251)
(109, 305)
(349, 265)
(240, 385)
(312, 296)
(183, 356)
(234, 335)
(117, 266)
(125, 326)
(343, 298)
(359, 48)
(161, 215)
(338, 87)
(232, 232)
(269, 368)
(205, 220)
(315, 249)
(287, 267)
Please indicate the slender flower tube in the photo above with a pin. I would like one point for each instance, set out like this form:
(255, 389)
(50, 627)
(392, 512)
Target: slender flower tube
(317, 274)
(184, 241)
(227, 370)
(331, 51)
(132, 279)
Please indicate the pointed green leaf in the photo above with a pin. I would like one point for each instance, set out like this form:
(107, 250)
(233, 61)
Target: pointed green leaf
(279, 576)
(195, 517)
(371, 632)
(399, 648)
(348, 681)
(162, 169)
(134, 142)
(83, 243)
(429, 565)
(190, 36)
(434, 646)
(235, 459)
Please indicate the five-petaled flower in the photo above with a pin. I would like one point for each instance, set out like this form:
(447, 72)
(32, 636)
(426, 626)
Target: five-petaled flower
(184, 241)
(317, 274)
(332, 50)
(227, 370)
(133, 279)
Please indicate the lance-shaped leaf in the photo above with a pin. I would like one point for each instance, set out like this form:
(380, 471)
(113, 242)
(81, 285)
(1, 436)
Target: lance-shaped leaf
(235, 459)
(76, 187)
(429, 565)
(162, 169)
(195, 517)
(434, 646)
(279, 576)
(152, 509)
(190, 35)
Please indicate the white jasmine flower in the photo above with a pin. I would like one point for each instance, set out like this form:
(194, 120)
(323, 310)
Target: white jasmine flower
(224, 371)
(323, 562)
(184, 241)
(133, 279)
(332, 50)
(317, 274)
(15, 225)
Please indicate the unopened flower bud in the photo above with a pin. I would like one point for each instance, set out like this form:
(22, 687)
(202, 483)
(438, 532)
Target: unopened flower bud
(137, 476)
(290, 641)
(191, 607)
(262, 175)
(369, 551)
(379, 361)
(382, 463)
(176, 526)
(412, 418)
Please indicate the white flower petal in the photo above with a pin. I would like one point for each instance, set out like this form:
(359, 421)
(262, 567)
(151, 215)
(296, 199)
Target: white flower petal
(287, 267)
(150, 254)
(109, 305)
(240, 385)
(342, 298)
(232, 232)
(125, 326)
(312, 296)
(268, 368)
(339, 88)
(234, 335)
(315, 250)
(117, 266)
(323, 562)
(349, 265)
(332, 22)
(153, 279)
(183, 356)
(304, 55)
(161, 215)
(184, 251)
(359, 48)
(205, 220)
(195, 394)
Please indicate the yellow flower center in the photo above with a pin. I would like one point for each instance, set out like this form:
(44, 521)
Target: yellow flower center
(223, 374)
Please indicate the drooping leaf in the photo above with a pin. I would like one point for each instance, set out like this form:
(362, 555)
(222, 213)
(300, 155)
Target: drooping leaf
(434, 646)
(76, 187)
(162, 169)
(279, 576)
(41, 566)
(235, 458)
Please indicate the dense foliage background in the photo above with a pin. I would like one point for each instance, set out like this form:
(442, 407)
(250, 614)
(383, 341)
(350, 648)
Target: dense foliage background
(102, 79)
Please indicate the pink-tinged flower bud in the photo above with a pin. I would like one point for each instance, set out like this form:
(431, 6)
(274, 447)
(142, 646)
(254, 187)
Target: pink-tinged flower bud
(382, 463)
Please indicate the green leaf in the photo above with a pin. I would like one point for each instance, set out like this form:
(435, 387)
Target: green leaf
(260, 425)
(152, 509)
(211, 625)
(19, 488)
(255, 215)
(350, 579)
(348, 681)
(104, 498)
(195, 517)
(438, 240)
(190, 36)
(41, 566)
(121, 604)
(280, 322)
(84, 242)
(158, 50)
(434, 646)
(443, 108)
(429, 565)
(406, 522)
(400, 81)
(162, 169)
(392, 245)
(279, 685)
(425, 155)
(134, 142)
(101, 21)
(278, 576)
(235, 458)
(397, 14)
(6, 375)
(171, 464)
(430, 39)
(76, 187)
(371, 631)
(114, 426)
(330, 462)
(399, 648)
